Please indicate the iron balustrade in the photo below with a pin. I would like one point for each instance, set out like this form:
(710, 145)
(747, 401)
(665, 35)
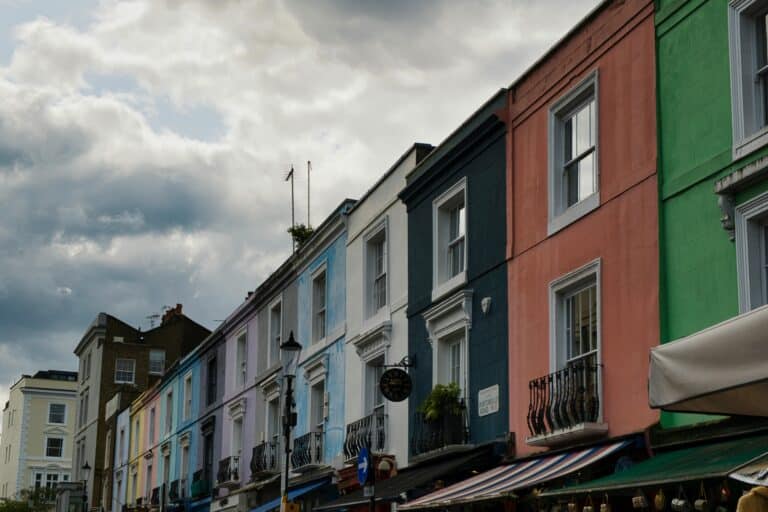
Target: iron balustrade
(173, 491)
(229, 470)
(265, 458)
(307, 450)
(370, 432)
(565, 398)
(449, 429)
(200, 484)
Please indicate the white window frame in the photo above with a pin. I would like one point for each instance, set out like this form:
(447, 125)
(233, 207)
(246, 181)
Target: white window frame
(369, 379)
(752, 278)
(234, 450)
(187, 393)
(558, 290)
(313, 426)
(155, 371)
(133, 370)
(560, 215)
(441, 283)
(151, 425)
(168, 412)
(273, 418)
(746, 102)
(442, 354)
(320, 270)
(370, 240)
(45, 447)
(241, 365)
(274, 358)
(64, 422)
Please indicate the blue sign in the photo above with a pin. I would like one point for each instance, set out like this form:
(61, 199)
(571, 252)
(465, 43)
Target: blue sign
(363, 466)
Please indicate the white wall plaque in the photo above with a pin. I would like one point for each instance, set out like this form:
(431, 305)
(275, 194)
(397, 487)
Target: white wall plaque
(488, 400)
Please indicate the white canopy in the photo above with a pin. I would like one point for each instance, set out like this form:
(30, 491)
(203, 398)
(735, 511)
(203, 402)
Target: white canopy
(720, 370)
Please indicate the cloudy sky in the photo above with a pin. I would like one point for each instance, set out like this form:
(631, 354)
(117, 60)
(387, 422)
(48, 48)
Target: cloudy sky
(143, 143)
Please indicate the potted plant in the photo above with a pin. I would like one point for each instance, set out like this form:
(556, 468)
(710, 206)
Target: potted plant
(442, 410)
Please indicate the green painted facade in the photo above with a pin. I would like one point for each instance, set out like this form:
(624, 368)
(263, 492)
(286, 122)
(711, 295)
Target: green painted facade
(698, 285)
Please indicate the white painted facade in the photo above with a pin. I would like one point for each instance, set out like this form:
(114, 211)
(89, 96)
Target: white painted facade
(377, 335)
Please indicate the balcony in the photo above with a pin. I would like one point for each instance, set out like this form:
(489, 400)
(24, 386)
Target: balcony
(449, 433)
(201, 486)
(173, 491)
(565, 405)
(229, 472)
(307, 452)
(265, 459)
(370, 431)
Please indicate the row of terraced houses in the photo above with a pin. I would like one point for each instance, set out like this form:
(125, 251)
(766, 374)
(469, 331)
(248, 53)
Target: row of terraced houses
(584, 257)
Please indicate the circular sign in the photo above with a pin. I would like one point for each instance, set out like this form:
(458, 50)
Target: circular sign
(363, 466)
(395, 384)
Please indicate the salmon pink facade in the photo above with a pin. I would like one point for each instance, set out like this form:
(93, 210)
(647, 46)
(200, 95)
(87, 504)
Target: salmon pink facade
(582, 242)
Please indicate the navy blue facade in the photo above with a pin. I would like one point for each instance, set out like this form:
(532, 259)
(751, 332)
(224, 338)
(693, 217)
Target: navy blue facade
(475, 153)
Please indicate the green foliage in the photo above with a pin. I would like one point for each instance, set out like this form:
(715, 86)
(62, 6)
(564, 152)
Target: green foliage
(300, 233)
(32, 500)
(443, 400)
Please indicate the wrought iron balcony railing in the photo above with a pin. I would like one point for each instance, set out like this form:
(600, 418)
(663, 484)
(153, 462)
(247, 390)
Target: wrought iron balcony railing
(265, 458)
(229, 470)
(448, 430)
(307, 451)
(565, 398)
(173, 491)
(370, 431)
(201, 486)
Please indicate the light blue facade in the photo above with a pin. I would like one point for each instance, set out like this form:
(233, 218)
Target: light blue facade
(323, 361)
(183, 428)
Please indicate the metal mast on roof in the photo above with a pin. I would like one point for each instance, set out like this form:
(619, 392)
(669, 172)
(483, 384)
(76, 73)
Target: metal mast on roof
(289, 176)
(309, 169)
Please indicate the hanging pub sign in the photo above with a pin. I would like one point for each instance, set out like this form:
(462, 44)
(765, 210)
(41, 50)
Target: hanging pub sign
(395, 384)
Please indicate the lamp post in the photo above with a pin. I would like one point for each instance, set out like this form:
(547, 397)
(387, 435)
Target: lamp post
(86, 470)
(289, 357)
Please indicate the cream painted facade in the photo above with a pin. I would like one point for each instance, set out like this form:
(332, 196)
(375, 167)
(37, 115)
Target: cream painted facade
(38, 428)
(377, 325)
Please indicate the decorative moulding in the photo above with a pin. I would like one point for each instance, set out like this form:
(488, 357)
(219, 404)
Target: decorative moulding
(374, 341)
(237, 408)
(450, 315)
(270, 386)
(316, 369)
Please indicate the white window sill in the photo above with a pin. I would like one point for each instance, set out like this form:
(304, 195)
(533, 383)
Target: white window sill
(750, 144)
(448, 286)
(573, 214)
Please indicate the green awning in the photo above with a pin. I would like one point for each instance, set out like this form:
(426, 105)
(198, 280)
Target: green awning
(688, 464)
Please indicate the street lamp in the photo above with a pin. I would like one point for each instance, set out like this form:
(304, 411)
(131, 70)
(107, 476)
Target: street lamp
(289, 357)
(86, 473)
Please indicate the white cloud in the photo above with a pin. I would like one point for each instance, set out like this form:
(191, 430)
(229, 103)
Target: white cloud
(108, 205)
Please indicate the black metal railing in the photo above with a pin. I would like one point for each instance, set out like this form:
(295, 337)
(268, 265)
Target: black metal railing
(450, 429)
(370, 432)
(155, 498)
(201, 486)
(173, 491)
(265, 458)
(565, 398)
(229, 470)
(307, 450)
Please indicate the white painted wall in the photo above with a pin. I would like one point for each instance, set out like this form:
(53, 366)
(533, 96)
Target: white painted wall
(381, 204)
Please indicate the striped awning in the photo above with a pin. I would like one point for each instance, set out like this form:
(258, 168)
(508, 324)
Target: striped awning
(504, 480)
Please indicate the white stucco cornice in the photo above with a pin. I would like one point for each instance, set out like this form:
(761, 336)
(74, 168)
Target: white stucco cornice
(449, 315)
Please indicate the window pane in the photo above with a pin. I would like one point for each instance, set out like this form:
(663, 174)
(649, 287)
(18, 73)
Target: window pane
(572, 184)
(583, 131)
(56, 413)
(581, 322)
(569, 140)
(586, 176)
